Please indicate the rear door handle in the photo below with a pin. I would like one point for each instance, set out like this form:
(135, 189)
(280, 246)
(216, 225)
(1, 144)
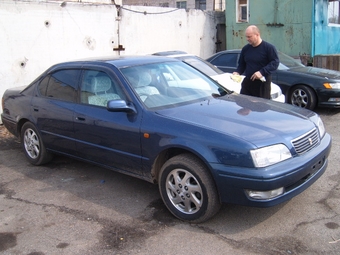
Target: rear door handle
(80, 118)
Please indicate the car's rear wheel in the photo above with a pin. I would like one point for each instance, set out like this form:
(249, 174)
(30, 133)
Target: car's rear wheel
(303, 96)
(33, 145)
(188, 190)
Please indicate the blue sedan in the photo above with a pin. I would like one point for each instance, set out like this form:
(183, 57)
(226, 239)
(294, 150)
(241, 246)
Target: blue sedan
(163, 121)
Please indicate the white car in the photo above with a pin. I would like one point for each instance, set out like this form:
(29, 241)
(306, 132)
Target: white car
(225, 79)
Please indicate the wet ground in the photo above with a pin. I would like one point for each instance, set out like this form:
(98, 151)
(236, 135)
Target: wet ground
(69, 207)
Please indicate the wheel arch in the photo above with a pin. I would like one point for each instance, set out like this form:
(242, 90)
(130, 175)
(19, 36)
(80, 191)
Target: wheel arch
(169, 153)
(315, 97)
(291, 88)
(20, 124)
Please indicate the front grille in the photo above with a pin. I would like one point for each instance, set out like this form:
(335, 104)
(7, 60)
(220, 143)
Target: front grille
(306, 142)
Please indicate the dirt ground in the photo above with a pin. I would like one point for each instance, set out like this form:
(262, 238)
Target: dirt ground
(68, 207)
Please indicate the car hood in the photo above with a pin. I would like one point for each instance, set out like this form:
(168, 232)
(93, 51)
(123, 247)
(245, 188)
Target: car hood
(226, 81)
(255, 120)
(319, 72)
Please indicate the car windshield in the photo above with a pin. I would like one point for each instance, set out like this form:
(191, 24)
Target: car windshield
(204, 66)
(170, 83)
(287, 62)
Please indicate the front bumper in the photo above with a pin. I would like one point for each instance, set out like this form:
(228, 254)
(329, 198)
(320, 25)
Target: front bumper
(295, 175)
(281, 99)
(329, 98)
(332, 104)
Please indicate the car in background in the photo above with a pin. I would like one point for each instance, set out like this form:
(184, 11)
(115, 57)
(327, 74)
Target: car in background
(163, 121)
(225, 79)
(303, 86)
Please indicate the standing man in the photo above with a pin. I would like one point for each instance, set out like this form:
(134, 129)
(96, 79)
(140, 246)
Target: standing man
(257, 61)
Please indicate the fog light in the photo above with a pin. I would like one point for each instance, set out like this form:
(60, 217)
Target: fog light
(263, 195)
(334, 99)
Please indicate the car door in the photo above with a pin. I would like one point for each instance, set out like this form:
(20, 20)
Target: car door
(103, 137)
(275, 77)
(52, 109)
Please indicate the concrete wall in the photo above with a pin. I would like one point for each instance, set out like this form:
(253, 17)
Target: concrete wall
(151, 29)
(36, 34)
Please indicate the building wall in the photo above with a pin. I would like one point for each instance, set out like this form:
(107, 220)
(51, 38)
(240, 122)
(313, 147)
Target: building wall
(211, 5)
(294, 27)
(285, 23)
(36, 34)
(150, 29)
(327, 36)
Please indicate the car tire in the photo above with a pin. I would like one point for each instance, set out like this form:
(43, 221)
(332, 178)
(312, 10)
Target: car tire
(33, 145)
(188, 190)
(303, 96)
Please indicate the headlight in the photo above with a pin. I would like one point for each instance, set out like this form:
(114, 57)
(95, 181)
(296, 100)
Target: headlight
(270, 155)
(332, 85)
(320, 126)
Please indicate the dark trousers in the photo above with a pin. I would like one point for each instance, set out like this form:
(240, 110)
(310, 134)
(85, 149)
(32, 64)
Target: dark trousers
(256, 88)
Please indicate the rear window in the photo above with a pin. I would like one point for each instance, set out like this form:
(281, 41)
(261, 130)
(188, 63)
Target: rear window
(60, 85)
(229, 59)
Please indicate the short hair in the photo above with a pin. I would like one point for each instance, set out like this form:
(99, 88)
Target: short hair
(254, 29)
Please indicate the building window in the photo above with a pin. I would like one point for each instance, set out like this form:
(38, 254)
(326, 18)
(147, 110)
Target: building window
(201, 4)
(181, 5)
(163, 4)
(242, 11)
(333, 12)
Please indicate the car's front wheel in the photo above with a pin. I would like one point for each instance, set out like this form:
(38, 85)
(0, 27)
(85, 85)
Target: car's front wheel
(33, 146)
(188, 190)
(303, 96)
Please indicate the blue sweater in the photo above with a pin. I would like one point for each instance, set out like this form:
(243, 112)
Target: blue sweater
(263, 58)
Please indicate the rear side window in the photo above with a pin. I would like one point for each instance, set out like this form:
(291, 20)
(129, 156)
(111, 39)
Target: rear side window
(226, 60)
(60, 85)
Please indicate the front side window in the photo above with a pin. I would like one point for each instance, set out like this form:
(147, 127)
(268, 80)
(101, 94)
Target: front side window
(333, 12)
(242, 11)
(61, 85)
(97, 88)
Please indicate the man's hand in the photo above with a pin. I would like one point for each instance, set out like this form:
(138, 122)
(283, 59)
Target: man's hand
(256, 76)
(236, 73)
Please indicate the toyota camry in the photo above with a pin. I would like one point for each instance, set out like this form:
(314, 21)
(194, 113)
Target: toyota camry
(161, 120)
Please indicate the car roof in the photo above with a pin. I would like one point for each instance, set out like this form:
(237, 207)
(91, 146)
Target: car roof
(176, 54)
(117, 61)
(182, 55)
(224, 51)
(232, 51)
(170, 53)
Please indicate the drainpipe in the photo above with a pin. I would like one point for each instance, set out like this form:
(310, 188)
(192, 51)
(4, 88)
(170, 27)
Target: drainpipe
(118, 19)
(275, 23)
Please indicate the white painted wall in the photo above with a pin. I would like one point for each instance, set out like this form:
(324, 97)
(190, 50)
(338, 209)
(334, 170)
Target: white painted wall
(36, 34)
(161, 29)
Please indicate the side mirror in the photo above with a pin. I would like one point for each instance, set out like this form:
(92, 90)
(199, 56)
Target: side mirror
(120, 106)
